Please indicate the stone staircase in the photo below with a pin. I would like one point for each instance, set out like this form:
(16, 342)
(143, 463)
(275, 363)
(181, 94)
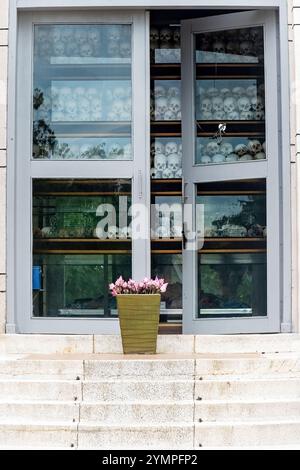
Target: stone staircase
(198, 392)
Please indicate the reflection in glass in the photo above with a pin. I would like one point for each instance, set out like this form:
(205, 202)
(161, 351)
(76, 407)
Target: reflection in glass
(232, 284)
(81, 209)
(76, 285)
(239, 46)
(166, 217)
(81, 90)
(169, 266)
(81, 243)
(233, 209)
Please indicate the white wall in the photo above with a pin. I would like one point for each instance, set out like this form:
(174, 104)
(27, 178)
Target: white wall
(3, 146)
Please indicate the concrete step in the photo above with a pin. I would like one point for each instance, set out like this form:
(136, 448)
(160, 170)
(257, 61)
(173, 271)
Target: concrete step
(26, 390)
(247, 389)
(20, 412)
(54, 369)
(244, 411)
(33, 436)
(170, 436)
(120, 413)
(253, 434)
(159, 368)
(138, 390)
(88, 344)
(283, 364)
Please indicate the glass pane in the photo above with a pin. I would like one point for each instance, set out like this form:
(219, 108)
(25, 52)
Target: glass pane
(82, 92)
(232, 269)
(165, 44)
(230, 90)
(166, 100)
(166, 158)
(169, 266)
(81, 243)
(166, 217)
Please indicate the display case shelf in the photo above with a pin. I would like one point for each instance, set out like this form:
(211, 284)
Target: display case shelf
(101, 71)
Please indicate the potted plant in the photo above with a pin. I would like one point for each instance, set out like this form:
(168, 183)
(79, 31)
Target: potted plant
(138, 305)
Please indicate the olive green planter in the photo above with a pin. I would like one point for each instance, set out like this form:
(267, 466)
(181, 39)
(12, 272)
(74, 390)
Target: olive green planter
(139, 319)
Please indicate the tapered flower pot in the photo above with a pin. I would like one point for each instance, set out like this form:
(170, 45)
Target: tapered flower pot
(139, 319)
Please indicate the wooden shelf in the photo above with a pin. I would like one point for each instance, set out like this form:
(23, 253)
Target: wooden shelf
(88, 72)
(92, 128)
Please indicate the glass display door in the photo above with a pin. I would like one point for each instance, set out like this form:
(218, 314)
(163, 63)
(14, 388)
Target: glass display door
(81, 168)
(230, 174)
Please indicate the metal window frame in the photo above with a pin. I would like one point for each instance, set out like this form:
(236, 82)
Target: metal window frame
(280, 6)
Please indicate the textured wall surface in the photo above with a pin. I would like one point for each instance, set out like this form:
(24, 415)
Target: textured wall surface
(3, 119)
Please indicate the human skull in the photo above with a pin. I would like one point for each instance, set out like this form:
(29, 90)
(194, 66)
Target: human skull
(159, 91)
(260, 105)
(232, 157)
(125, 49)
(79, 92)
(218, 158)
(154, 35)
(205, 159)
(56, 34)
(91, 94)
(179, 151)
(114, 33)
(173, 91)
(241, 149)
(84, 108)
(246, 157)
(169, 115)
(246, 48)
(71, 110)
(251, 91)
(212, 148)
(260, 156)
(127, 151)
(117, 107)
(219, 47)
(246, 116)
(113, 49)
(206, 105)
(157, 147)
(234, 116)
(226, 148)
(160, 162)
(86, 50)
(207, 116)
(94, 36)
(171, 147)
(96, 110)
(114, 150)
(118, 93)
(244, 104)
(112, 231)
(259, 115)
(212, 92)
(165, 35)
(176, 35)
(162, 232)
(81, 36)
(217, 104)
(174, 104)
(200, 91)
(174, 162)
(264, 146)
(156, 174)
(178, 116)
(230, 104)
(59, 48)
(238, 91)
(161, 106)
(225, 92)
(219, 115)
(254, 146)
(178, 173)
(167, 173)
